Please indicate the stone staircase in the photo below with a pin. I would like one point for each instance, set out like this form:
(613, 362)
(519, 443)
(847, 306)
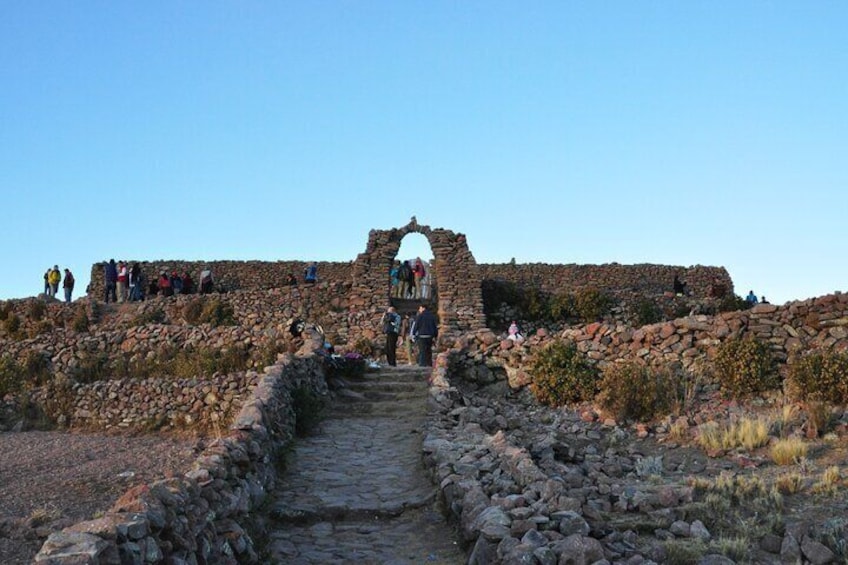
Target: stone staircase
(356, 491)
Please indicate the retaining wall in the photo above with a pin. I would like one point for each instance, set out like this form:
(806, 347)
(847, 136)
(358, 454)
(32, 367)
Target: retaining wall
(199, 517)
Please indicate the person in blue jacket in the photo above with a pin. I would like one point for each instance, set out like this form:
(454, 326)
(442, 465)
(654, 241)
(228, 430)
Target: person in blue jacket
(426, 331)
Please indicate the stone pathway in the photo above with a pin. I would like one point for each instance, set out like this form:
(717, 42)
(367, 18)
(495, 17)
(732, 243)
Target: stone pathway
(356, 491)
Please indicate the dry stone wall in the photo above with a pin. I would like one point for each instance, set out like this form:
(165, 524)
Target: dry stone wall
(201, 516)
(791, 329)
(230, 275)
(646, 279)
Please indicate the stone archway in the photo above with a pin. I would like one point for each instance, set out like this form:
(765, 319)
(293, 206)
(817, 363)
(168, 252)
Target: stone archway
(460, 297)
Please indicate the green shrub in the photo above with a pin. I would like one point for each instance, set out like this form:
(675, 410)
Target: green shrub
(11, 376)
(819, 376)
(80, 323)
(745, 367)
(217, 313)
(193, 310)
(36, 368)
(592, 304)
(536, 304)
(732, 303)
(4, 311)
(153, 316)
(36, 310)
(12, 324)
(562, 307)
(561, 374)
(93, 366)
(646, 312)
(632, 390)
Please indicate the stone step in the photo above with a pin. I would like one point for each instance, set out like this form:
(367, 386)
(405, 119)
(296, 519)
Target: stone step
(286, 513)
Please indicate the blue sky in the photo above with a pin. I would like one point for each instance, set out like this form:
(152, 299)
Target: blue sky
(683, 133)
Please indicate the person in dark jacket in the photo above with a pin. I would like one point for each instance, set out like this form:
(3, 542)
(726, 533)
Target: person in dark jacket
(110, 275)
(426, 331)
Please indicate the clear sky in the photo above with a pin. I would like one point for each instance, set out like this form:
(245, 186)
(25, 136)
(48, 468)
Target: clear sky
(695, 132)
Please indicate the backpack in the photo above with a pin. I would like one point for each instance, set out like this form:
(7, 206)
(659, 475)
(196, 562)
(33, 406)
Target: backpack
(390, 323)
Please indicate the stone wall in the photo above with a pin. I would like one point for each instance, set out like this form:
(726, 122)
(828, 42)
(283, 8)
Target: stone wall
(645, 278)
(230, 275)
(147, 404)
(454, 271)
(791, 329)
(199, 517)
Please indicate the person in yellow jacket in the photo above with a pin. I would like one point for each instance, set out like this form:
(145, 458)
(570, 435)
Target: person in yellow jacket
(54, 278)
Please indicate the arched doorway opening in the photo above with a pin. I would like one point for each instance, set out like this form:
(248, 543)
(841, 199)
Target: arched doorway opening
(412, 278)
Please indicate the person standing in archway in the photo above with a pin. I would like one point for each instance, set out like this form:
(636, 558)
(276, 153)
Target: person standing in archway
(426, 331)
(391, 327)
(407, 279)
(419, 272)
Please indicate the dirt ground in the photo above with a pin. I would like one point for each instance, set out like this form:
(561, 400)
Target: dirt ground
(50, 480)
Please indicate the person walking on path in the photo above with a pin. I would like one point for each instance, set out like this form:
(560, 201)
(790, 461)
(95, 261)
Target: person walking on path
(391, 327)
(426, 330)
(68, 285)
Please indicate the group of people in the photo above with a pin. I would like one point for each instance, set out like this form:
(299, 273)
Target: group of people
(408, 280)
(124, 282)
(52, 278)
(421, 329)
(752, 300)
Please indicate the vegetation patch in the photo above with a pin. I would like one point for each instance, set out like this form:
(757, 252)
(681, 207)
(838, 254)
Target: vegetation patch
(561, 374)
(788, 451)
(745, 367)
(819, 376)
(632, 390)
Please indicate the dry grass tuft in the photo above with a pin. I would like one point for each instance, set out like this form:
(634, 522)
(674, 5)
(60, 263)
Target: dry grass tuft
(749, 433)
(789, 483)
(788, 451)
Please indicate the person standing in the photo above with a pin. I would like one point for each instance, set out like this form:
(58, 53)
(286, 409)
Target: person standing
(47, 282)
(135, 283)
(426, 330)
(310, 275)
(419, 273)
(207, 282)
(55, 278)
(110, 275)
(68, 285)
(123, 279)
(391, 327)
(407, 282)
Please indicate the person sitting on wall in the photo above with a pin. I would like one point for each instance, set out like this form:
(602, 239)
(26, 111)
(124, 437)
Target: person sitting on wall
(291, 280)
(763, 300)
(513, 332)
(679, 286)
(751, 299)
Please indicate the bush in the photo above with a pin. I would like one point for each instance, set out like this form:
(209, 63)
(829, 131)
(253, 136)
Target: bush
(633, 390)
(93, 366)
(193, 310)
(36, 310)
(788, 451)
(745, 367)
(732, 303)
(153, 316)
(821, 376)
(217, 313)
(11, 376)
(646, 312)
(561, 374)
(12, 324)
(4, 311)
(591, 304)
(36, 368)
(562, 307)
(80, 323)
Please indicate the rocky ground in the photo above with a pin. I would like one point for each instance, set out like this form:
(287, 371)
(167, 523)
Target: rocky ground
(542, 485)
(50, 480)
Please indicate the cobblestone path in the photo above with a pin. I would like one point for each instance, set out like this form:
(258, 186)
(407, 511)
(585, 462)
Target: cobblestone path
(356, 491)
